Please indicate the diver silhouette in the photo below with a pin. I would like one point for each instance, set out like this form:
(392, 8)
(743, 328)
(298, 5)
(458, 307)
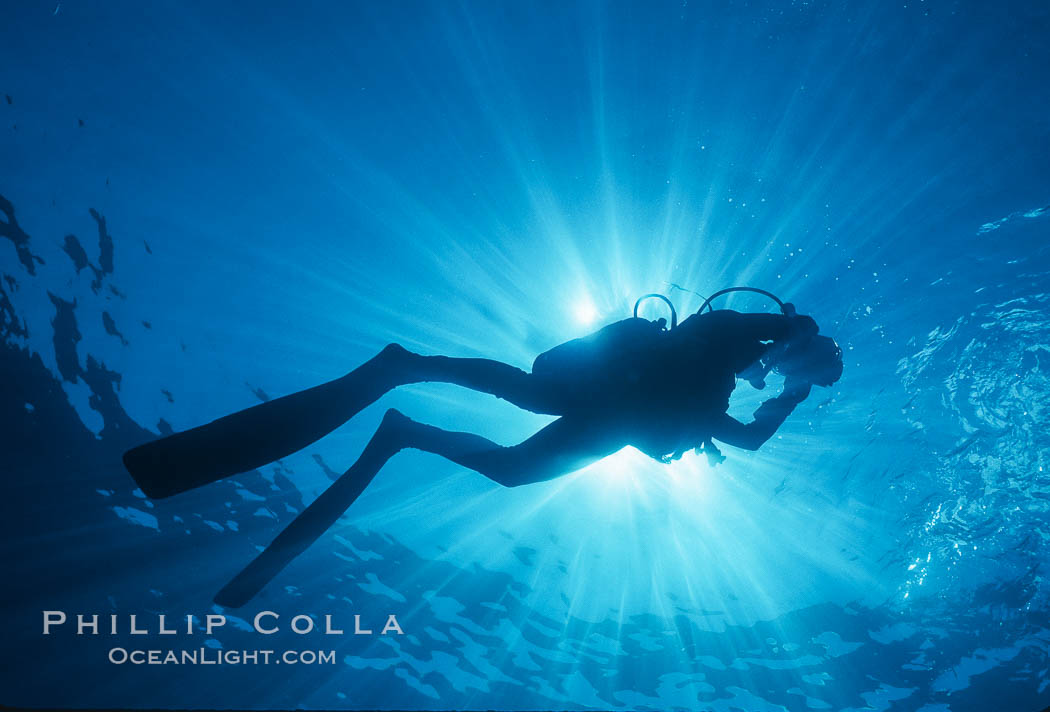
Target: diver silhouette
(634, 382)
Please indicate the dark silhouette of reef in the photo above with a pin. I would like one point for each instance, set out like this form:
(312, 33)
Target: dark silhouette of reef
(78, 255)
(10, 229)
(75, 250)
(111, 327)
(63, 544)
(66, 336)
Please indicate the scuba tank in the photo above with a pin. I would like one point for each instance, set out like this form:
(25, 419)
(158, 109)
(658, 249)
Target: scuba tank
(615, 352)
(621, 341)
(610, 351)
(605, 355)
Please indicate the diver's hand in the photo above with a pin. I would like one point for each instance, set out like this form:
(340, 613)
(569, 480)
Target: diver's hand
(669, 458)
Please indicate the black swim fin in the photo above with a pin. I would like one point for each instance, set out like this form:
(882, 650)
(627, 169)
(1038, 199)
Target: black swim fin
(303, 531)
(252, 437)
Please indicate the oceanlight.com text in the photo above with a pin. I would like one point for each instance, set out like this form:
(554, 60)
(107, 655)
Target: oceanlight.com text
(210, 656)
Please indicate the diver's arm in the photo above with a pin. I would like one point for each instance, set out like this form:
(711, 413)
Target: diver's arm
(762, 327)
(768, 418)
(733, 325)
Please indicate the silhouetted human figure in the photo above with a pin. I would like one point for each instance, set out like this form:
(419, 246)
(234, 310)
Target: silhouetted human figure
(632, 383)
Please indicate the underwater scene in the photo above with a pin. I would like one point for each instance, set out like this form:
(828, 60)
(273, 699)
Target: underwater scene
(209, 206)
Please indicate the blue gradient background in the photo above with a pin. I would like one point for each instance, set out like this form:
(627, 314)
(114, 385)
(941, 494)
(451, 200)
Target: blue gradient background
(315, 180)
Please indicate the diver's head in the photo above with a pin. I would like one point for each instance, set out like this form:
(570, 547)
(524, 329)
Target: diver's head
(817, 360)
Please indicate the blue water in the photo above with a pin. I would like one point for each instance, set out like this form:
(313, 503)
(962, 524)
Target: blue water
(288, 187)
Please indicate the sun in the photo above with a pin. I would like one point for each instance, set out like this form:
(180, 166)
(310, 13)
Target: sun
(585, 312)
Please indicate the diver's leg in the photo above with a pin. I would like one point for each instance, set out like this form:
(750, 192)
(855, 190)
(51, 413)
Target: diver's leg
(481, 374)
(564, 446)
(263, 433)
(560, 448)
(277, 428)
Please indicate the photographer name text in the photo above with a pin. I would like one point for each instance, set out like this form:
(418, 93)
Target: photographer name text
(264, 623)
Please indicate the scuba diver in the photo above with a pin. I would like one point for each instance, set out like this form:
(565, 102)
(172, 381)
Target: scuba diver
(635, 382)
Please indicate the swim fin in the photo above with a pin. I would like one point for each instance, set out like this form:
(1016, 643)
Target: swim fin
(252, 437)
(303, 531)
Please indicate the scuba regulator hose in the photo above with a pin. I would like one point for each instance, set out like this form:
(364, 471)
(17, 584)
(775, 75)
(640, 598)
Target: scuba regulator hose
(788, 309)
